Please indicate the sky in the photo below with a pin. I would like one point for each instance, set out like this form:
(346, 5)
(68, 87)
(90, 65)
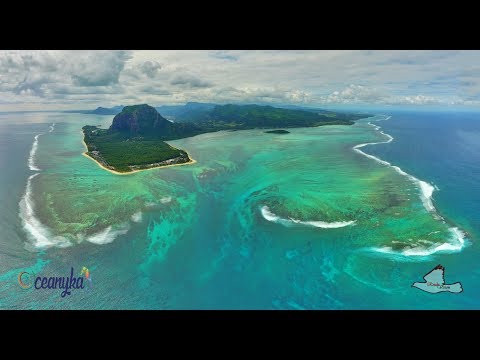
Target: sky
(71, 80)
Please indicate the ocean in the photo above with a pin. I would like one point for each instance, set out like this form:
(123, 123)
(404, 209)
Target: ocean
(334, 217)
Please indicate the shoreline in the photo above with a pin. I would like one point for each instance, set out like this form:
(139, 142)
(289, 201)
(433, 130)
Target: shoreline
(192, 161)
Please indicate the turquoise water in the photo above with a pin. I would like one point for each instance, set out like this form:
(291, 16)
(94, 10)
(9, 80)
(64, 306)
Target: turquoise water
(261, 221)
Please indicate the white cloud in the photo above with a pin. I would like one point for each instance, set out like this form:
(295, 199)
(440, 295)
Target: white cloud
(418, 100)
(150, 68)
(98, 68)
(354, 94)
(358, 94)
(190, 81)
(85, 79)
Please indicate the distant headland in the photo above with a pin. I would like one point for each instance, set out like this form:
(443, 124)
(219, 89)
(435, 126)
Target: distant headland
(280, 131)
(136, 138)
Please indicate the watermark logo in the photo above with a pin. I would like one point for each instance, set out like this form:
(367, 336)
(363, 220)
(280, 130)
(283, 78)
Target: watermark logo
(88, 277)
(27, 280)
(435, 282)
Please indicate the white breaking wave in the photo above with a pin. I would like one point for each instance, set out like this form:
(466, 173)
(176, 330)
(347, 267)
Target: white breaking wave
(426, 193)
(137, 217)
(166, 199)
(270, 216)
(458, 238)
(33, 152)
(426, 189)
(108, 234)
(40, 237)
(38, 234)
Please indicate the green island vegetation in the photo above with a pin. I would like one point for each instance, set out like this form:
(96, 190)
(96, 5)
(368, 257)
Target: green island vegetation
(136, 138)
(120, 153)
(277, 132)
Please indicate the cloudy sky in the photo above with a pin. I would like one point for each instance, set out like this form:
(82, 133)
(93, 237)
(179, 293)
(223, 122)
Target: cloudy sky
(45, 80)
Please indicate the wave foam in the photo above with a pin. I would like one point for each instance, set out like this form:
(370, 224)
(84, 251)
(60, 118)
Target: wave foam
(108, 234)
(41, 237)
(137, 217)
(458, 237)
(426, 189)
(270, 216)
(33, 152)
(38, 234)
(426, 193)
(166, 199)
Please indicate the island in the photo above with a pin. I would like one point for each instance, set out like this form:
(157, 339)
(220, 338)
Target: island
(280, 131)
(99, 111)
(107, 111)
(136, 139)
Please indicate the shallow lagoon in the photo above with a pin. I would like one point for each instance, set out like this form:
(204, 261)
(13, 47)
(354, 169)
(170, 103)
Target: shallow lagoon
(260, 221)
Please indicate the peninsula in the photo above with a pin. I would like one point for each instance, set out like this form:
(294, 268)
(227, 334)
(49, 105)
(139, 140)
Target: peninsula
(136, 138)
(134, 142)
